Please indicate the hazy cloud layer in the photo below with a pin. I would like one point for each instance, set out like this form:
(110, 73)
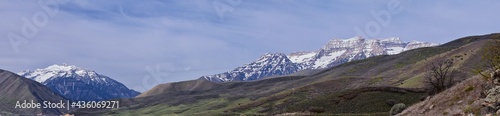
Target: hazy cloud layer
(142, 42)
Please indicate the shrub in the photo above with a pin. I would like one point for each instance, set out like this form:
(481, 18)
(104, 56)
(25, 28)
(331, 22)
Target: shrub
(398, 108)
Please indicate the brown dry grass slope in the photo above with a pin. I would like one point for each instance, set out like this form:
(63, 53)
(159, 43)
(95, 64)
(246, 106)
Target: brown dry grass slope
(462, 98)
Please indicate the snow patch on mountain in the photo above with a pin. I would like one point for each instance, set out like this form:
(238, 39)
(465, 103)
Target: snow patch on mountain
(394, 50)
(322, 62)
(300, 57)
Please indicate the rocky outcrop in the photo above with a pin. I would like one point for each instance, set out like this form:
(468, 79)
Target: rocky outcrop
(492, 100)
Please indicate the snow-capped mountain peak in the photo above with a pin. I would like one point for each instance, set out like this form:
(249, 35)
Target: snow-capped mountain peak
(269, 57)
(338, 51)
(62, 67)
(79, 83)
(269, 64)
(60, 70)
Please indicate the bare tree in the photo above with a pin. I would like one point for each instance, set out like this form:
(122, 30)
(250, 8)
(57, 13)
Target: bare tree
(440, 77)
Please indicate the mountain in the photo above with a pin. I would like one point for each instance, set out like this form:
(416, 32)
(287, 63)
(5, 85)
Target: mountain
(78, 83)
(338, 51)
(335, 52)
(14, 88)
(363, 87)
(269, 64)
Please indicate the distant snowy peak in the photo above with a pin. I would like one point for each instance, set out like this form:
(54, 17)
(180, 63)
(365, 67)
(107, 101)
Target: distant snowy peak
(78, 83)
(61, 71)
(62, 67)
(338, 51)
(272, 58)
(269, 64)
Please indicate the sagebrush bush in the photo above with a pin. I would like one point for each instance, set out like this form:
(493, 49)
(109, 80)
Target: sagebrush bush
(398, 108)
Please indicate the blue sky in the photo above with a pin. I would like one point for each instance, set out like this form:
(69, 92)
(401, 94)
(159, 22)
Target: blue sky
(144, 43)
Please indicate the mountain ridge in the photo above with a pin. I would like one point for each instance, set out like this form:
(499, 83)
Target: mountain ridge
(78, 83)
(335, 52)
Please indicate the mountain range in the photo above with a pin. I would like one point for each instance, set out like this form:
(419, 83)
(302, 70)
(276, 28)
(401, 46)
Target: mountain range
(334, 53)
(365, 86)
(370, 86)
(76, 83)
